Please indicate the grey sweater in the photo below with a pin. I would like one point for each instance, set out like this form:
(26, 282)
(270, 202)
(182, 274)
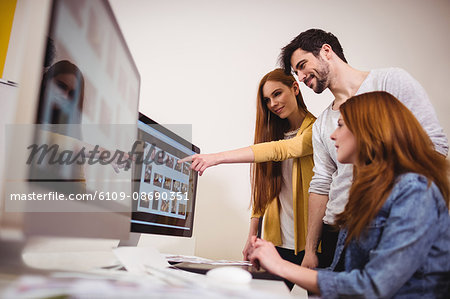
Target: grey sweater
(333, 178)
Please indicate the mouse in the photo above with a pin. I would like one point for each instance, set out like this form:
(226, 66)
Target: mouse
(229, 274)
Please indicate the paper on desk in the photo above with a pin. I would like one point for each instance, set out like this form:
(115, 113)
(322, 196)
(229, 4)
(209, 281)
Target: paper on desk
(134, 259)
(201, 260)
(231, 263)
(186, 258)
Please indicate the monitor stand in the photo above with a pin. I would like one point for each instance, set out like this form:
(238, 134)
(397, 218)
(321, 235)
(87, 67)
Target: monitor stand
(133, 240)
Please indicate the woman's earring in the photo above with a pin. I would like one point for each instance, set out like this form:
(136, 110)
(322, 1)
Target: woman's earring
(268, 121)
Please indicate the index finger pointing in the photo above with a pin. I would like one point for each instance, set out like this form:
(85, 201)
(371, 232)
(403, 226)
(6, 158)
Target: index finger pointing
(187, 159)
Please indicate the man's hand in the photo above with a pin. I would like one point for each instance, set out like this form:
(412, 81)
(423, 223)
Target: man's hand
(316, 211)
(310, 260)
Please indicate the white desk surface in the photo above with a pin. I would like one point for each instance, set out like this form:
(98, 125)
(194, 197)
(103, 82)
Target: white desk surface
(86, 261)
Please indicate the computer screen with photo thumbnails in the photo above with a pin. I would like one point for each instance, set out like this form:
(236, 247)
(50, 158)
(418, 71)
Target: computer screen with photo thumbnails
(164, 190)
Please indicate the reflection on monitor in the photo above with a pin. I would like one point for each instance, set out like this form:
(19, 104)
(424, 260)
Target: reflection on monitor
(89, 83)
(164, 189)
(89, 93)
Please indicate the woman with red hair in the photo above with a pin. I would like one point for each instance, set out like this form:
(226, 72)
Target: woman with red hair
(283, 163)
(396, 224)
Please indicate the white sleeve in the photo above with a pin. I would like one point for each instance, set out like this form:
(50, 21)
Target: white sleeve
(404, 87)
(324, 166)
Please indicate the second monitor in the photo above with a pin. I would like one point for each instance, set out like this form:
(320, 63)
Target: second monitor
(164, 190)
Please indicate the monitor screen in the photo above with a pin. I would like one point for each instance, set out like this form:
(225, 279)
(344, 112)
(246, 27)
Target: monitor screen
(89, 92)
(88, 100)
(166, 189)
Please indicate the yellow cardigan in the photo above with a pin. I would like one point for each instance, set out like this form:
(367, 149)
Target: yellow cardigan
(300, 149)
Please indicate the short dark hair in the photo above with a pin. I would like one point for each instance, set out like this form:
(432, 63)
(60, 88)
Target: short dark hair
(312, 41)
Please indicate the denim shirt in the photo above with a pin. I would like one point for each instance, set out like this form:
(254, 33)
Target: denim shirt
(405, 252)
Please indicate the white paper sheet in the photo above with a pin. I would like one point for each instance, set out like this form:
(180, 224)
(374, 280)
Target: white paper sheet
(134, 259)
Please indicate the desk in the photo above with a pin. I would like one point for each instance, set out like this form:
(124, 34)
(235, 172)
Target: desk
(202, 268)
(109, 283)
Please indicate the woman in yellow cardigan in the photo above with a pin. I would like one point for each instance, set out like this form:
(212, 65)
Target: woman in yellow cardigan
(283, 165)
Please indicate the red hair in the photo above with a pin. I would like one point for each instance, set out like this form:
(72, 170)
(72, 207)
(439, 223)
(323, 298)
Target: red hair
(390, 142)
(266, 177)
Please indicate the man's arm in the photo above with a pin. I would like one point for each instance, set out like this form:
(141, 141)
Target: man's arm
(316, 211)
(324, 167)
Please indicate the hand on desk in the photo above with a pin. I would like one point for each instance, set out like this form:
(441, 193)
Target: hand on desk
(263, 253)
(248, 248)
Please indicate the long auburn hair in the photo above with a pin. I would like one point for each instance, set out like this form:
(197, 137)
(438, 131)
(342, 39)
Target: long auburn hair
(266, 177)
(390, 141)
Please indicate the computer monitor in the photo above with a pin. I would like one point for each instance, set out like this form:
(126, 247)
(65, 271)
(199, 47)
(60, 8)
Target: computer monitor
(166, 188)
(96, 93)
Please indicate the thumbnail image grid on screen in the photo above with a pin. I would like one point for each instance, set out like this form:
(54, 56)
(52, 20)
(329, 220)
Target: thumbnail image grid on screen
(166, 187)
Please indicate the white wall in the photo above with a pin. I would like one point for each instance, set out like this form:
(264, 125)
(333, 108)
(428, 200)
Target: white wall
(201, 61)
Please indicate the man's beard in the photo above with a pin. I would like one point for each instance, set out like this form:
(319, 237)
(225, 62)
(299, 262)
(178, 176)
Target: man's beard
(322, 78)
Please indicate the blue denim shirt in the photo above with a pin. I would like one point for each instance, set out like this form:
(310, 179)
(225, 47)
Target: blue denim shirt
(405, 252)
